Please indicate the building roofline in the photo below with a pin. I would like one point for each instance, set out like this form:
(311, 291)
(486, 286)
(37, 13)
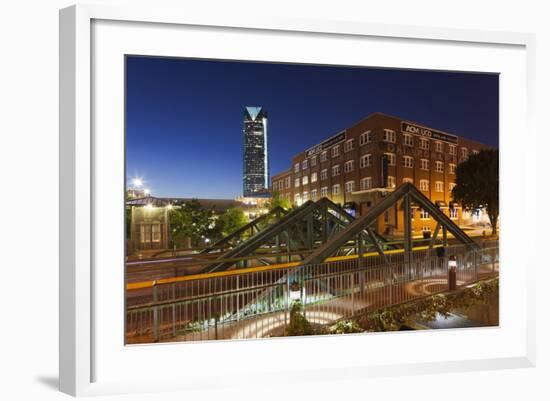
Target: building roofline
(373, 114)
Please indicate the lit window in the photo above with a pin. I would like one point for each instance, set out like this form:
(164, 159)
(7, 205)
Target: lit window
(336, 189)
(439, 186)
(407, 140)
(297, 199)
(366, 183)
(464, 152)
(145, 232)
(439, 166)
(296, 182)
(452, 168)
(424, 144)
(475, 151)
(287, 182)
(365, 137)
(439, 147)
(424, 215)
(304, 164)
(313, 194)
(365, 161)
(452, 149)
(407, 179)
(424, 164)
(452, 185)
(391, 158)
(391, 181)
(324, 192)
(335, 151)
(348, 166)
(305, 180)
(453, 213)
(350, 186)
(297, 168)
(348, 145)
(324, 156)
(424, 185)
(313, 177)
(155, 232)
(389, 135)
(407, 161)
(304, 196)
(324, 174)
(335, 170)
(313, 161)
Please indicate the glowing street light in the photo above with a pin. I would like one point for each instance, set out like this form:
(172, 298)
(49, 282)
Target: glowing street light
(137, 182)
(146, 191)
(295, 291)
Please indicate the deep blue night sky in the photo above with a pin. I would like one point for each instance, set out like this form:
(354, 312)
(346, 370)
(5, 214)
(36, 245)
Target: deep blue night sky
(184, 117)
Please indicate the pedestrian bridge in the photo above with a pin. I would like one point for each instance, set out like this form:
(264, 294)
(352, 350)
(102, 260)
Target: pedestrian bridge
(256, 302)
(336, 266)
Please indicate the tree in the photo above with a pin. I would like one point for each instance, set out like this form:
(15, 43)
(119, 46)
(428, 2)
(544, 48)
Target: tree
(233, 219)
(277, 200)
(477, 184)
(191, 220)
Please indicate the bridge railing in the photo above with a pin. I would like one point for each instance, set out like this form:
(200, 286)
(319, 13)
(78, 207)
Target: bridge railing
(257, 304)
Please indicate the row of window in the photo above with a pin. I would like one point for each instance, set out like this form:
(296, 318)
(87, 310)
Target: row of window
(424, 215)
(303, 197)
(389, 136)
(279, 185)
(407, 161)
(366, 161)
(366, 183)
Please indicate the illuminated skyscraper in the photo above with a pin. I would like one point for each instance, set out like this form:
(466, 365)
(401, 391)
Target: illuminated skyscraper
(255, 157)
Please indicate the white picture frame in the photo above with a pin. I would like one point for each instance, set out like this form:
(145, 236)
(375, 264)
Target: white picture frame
(80, 345)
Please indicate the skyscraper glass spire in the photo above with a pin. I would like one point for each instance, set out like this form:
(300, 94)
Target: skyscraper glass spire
(255, 157)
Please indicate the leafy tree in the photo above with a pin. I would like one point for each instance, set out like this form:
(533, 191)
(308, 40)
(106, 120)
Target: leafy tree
(277, 200)
(477, 184)
(191, 220)
(233, 219)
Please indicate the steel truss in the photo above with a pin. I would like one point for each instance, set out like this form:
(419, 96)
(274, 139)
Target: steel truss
(297, 234)
(247, 231)
(405, 193)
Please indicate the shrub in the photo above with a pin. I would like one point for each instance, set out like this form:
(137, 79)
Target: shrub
(299, 325)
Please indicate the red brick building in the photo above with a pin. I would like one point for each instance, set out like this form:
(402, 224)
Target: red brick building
(360, 165)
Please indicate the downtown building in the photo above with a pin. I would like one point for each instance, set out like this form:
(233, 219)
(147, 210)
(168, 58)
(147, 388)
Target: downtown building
(360, 165)
(255, 154)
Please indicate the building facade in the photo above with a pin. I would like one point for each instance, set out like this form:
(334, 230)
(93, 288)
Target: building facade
(148, 219)
(255, 155)
(360, 165)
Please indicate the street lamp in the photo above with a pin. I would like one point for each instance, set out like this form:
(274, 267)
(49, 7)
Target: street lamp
(137, 182)
(146, 191)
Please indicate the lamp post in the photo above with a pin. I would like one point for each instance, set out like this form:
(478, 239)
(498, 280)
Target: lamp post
(452, 273)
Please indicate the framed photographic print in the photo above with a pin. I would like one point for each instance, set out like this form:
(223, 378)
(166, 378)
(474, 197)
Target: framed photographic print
(272, 195)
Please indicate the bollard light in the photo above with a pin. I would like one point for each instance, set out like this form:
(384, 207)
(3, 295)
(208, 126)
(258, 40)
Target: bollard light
(295, 291)
(452, 273)
(452, 262)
